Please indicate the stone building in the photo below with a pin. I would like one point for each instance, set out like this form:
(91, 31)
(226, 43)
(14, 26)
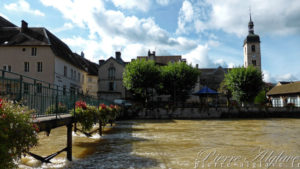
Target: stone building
(162, 60)
(110, 78)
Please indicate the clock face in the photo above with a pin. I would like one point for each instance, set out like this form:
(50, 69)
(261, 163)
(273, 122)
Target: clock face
(253, 56)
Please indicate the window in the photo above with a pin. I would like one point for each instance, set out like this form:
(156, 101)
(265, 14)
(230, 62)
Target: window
(7, 68)
(39, 66)
(111, 73)
(253, 48)
(254, 62)
(277, 102)
(33, 51)
(64, 90)
(65, 71)
(111, 86)
(90, 79)
(71, 73)
(78, 76)
(292, 100)
(83, 78)
(74, 74)
(26, 66)
(39, 87)
(26, 88)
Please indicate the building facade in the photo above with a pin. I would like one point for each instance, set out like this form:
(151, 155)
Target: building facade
(110, 78)
(37, 53)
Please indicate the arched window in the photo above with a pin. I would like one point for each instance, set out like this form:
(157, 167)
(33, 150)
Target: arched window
(253, 48)
(111, 73)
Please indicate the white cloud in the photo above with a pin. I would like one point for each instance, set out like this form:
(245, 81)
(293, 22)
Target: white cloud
(143, 5)
(88, 46)
(66, 26)
(232, 16)
(23, 6)
(163, 2)
(268, 77)
(186, 15)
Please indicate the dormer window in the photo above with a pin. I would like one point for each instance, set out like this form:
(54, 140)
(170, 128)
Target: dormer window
(253, 48)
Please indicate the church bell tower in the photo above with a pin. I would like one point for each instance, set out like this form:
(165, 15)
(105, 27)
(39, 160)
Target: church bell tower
(252, 55)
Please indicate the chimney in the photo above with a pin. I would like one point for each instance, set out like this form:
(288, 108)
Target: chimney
(82, 54)
(101, 62)
(153, 53)
(118, 55)
(24, 26)
(197, 66)
(149, 53)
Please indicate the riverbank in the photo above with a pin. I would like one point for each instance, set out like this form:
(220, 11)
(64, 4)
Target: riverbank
(213, 113)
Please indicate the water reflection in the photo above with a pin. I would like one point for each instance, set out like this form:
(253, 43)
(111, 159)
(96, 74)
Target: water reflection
(176, 143)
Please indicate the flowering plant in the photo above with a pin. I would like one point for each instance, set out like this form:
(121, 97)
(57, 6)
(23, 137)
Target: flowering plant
(103, 113)
(17, 132)
(85, 115)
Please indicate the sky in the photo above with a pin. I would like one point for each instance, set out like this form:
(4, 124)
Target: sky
(205, 32)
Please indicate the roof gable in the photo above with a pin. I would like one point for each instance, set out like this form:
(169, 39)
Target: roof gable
(291, 88)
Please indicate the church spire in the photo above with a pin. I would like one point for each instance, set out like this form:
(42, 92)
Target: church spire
(251, 24)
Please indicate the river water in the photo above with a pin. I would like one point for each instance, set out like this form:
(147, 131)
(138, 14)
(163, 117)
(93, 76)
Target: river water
(179, 144)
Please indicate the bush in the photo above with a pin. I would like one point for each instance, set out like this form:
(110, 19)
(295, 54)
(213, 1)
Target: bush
(17, 132)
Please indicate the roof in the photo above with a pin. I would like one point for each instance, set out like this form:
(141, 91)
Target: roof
(291, 88)
(205, 90)
(211, 71)
(163, 60)
(6, 23)
(252, 38)
(87, 65)
(120, 61)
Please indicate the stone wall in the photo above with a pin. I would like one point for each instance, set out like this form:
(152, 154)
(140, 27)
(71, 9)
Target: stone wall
(213, 113)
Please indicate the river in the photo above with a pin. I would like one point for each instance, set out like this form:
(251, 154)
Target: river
(178, 144)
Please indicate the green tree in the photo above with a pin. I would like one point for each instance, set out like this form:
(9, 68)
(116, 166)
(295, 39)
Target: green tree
(141, 77)
(224, 89)
(178, 79)
(244, 83)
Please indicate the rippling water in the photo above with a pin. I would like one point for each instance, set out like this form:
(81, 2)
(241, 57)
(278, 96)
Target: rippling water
(179, 144)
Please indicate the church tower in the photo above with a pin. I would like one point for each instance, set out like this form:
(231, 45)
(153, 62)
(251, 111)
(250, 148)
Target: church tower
(252, 55)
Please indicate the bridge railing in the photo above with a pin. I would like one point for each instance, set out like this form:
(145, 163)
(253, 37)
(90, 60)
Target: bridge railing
(45, 98)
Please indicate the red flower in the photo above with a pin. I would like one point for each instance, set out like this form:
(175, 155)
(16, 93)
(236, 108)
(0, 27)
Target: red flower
(80, 104)
(3, 116)
(102, 106)
(112, 106)
(36, 128)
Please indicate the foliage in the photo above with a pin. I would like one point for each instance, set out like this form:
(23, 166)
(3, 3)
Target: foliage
(178, 79)
(61, 108)
(224, 89)
(261, 98)
(17, 132)
(244, 83)
(85, 115)
(141, 76)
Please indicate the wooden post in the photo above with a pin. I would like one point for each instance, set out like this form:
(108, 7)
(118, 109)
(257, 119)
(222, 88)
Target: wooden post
(100, 127)
(69, 142)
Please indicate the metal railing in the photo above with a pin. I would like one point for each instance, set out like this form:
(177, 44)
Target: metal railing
(45, 98)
